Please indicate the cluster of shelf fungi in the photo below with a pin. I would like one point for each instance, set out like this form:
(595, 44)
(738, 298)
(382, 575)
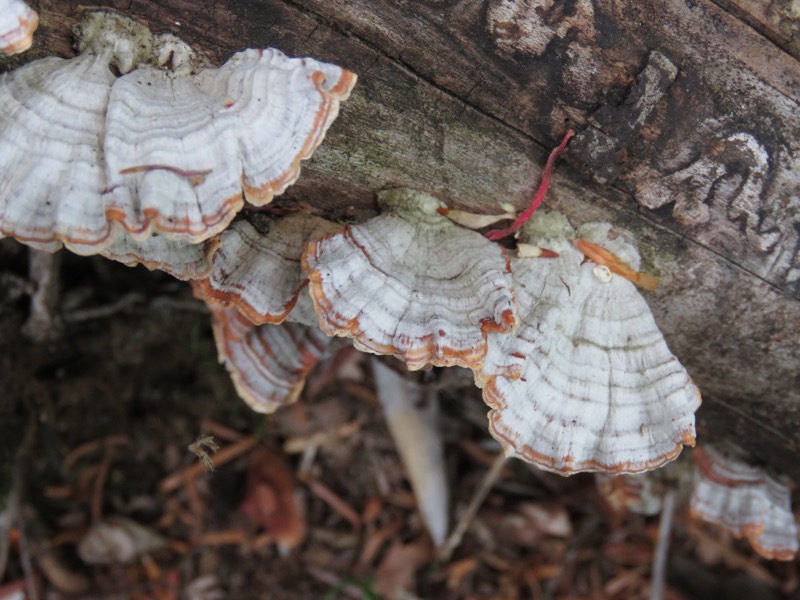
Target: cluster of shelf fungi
(153, 165)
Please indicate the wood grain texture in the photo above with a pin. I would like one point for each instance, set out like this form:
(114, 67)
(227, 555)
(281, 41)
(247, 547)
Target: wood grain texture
(778, 20)
(462, 98)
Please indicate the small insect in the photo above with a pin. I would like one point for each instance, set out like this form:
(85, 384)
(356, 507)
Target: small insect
(203, 447)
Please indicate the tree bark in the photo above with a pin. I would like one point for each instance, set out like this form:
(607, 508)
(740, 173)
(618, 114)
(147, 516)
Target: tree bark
(690, 129)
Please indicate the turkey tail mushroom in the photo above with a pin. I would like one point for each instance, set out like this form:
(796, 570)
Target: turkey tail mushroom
(441, 288)
(268, 363)
(51, 138)
(587, 382)
(18, 21)
(260, 273)
(86, 156)
(183, 152)
(746, 501)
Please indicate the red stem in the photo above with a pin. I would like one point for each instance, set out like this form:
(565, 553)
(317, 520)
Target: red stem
(498, 234)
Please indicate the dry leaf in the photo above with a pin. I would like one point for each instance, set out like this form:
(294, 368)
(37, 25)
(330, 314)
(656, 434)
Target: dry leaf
(117, 540)
(411, 414)
(397, 569)
(460, 570)
(271, 499)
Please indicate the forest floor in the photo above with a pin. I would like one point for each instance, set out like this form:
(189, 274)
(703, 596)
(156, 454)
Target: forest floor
(310, 502)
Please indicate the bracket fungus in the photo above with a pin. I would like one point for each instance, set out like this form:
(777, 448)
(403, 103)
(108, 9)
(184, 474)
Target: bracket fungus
(157, 150)
(260, 273)
(268, 363)
(51, 134)
(587, 382)
(181, 150)
(183, 261)
(18, 21)
(746, 501)
(441, 288)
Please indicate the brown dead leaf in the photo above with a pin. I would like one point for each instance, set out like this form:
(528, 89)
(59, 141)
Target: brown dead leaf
(624, 581)
(59, 574)
(117, 540)
(549, 519)
(332, 499)
(714, 550)
(527, 523)
(271, 500)
(460, 570)
(629, 552)
(372, 509)
(374, 540)
(510, 529)
(397, 569)
(544, 572)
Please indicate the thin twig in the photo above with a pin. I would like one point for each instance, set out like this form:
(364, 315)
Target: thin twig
(15, 498)
(662, 547)
(228, 453)
(100, 484)
(339, 584)
(332, 499)
(498, 234)
(465, 520)
(299, 443)
(224, 537)
(27, 566)
(44, 269)
(588, 526)
(87, 448)
(219, 430)
(178, 304)
(103, 312)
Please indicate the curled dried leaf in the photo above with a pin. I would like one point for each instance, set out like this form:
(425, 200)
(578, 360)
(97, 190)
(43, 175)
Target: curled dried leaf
(203, 447)
(271, 499)
(474, 220)
(117, 540)
(608, 259)
(411, 414)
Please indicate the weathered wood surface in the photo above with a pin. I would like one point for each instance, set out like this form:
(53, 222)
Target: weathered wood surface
(461, 98)
(779, 20)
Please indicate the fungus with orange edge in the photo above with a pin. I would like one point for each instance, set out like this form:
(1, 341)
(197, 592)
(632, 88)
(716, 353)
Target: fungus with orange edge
(183, 151)
(587, 382)
(18, 21)
(259, 273)
(161, 149)
(411, 284)
(267, 363)
(180, 259)
(744, 500)
(51, 138)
